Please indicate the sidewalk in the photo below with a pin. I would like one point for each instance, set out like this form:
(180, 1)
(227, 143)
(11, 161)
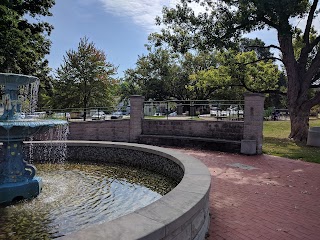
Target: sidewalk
(262, 197)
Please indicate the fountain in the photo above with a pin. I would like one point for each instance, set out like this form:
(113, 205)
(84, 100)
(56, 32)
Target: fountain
(17, 177)
(105, 190)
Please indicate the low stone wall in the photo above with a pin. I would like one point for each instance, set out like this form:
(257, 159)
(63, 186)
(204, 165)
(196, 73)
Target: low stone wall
(215, 135)
(111, 130)
(227, 130)
(181, 214)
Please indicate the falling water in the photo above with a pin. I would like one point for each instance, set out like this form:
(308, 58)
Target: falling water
(52, 151)
(29, 96)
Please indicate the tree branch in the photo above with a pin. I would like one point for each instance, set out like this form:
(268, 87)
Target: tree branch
(314, 101)
(313, 69)
(306, 37)
(270, 23)
(270, 46)
(262, 59)
(261, 91)
(314, 43)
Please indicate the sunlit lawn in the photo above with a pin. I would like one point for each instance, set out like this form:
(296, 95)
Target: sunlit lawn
(276, 142)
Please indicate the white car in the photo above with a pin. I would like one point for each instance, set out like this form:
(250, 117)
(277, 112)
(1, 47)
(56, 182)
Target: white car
(99, 116)
(173, 114)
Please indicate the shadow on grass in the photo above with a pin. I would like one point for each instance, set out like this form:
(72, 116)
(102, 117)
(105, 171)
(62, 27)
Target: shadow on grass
(284, 147)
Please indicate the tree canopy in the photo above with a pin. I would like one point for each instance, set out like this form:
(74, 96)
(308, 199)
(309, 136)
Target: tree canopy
(223, 22)
(161, 75)
(84, 79)
(23, 37)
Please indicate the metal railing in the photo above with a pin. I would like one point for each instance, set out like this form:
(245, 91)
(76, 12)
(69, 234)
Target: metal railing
(79, 114)
(195, 109)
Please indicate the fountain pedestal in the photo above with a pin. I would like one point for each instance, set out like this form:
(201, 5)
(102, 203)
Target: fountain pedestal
(17, 177)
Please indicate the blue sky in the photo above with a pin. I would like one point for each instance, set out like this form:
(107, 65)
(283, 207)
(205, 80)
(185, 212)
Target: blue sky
(118, 27)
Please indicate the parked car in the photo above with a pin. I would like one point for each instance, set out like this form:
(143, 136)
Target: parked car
(173, 114)
(116, 115)
(61, 115)
(215, 111)
(99, 116)
(36, 115)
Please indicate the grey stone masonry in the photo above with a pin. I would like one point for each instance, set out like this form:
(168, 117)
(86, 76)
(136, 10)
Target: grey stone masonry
(253, 124)
(136, 116)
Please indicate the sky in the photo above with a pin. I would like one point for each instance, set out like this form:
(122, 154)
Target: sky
(118, 27)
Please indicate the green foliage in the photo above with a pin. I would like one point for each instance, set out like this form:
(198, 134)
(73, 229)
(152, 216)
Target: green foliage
(23, 37)
(239, 70)
(157, 76)
(84, 79)
(221, 25)
(24, 41)
(223, 22)
(226, 74)
(257, 45)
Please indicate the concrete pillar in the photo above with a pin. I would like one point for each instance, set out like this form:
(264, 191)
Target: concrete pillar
(253, 124)
(136, 116)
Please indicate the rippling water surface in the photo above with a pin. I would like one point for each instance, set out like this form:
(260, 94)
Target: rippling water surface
(77, 195)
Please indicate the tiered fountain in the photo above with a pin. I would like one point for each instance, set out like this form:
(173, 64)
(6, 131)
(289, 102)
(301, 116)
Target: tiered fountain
(17, 177)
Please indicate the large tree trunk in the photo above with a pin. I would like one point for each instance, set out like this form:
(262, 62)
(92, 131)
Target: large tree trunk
(297, 95)
(299, 117)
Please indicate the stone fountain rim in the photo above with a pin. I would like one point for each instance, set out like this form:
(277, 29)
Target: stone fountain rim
(16, 75)
(163, 217)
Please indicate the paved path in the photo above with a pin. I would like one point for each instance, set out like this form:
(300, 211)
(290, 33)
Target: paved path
(264, 198)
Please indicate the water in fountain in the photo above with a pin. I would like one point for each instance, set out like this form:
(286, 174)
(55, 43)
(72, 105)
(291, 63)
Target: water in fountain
(77, 195)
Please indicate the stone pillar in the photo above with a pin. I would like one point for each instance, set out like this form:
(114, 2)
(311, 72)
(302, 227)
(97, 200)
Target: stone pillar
(136, 116)
(253, 124)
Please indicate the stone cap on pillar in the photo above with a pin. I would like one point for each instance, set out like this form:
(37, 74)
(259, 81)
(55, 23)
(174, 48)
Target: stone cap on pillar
(251, 94)
(136, 96)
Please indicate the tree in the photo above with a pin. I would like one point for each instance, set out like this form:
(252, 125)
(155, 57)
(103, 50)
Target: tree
(257, 45)
(161, 75)
(222, 23)
(151, 74)
(23, 38)
(235, 73)
(24, 41)
(157, 76)
(84, 79)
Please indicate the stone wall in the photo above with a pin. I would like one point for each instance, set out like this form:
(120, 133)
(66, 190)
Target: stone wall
(111, 130)
(228, 130)
(204, 134)
(233, 136)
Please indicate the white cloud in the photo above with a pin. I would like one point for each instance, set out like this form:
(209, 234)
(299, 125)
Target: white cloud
(141, 12)
(144, 12)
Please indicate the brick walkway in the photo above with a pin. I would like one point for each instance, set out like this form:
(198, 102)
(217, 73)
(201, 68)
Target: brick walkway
(279, 199)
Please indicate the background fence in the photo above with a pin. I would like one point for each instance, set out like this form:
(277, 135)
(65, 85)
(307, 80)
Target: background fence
(205, 109)
(171, 109)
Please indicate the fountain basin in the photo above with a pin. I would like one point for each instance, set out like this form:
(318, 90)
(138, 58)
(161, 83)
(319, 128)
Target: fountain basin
(183, 213)
(11, 79)
(14, 130)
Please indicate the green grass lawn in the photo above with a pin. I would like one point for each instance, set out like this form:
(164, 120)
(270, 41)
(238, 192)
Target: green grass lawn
(276, 142)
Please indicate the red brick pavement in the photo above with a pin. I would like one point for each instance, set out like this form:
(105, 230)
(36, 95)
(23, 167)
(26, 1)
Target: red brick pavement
(280, 199)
